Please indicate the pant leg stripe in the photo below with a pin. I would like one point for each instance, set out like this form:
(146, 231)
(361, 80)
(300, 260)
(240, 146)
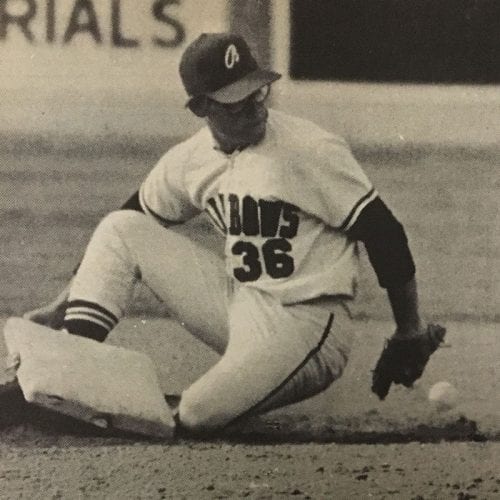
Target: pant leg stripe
(311, 353)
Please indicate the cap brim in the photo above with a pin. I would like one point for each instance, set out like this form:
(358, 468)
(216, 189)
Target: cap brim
(242, 88)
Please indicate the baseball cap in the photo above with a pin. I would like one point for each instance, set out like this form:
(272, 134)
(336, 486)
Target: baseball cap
(221, 66)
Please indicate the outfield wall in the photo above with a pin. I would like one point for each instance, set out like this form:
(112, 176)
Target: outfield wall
(109, 68)
(388, 113)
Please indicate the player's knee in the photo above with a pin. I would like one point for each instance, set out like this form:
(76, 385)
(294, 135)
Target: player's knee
(196, 417)
(115, 224)
(120, 219)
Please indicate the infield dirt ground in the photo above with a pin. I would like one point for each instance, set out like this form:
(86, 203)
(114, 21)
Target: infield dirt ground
(342, 444)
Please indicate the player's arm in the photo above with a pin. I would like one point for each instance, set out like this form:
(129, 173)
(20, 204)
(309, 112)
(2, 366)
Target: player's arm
(387, 246)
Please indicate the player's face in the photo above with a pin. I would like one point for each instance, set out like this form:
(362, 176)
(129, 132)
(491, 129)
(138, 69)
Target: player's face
(239, 124)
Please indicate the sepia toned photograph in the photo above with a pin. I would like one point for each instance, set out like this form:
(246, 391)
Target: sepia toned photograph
(250, 249)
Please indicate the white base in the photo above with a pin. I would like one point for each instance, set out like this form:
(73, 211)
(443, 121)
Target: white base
(105, 385)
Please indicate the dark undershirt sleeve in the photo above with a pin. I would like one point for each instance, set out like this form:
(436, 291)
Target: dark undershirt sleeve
(386, 244)
(133, 203)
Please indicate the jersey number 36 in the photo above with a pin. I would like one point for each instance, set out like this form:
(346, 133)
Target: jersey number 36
(277, 262)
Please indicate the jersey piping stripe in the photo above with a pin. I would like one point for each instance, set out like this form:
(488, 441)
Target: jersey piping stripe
(311, 353)
(356, 210)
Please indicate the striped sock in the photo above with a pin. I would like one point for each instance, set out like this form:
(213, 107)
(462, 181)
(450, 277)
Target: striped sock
(88, 319)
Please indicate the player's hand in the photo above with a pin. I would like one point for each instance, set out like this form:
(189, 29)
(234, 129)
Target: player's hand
(404, 359)
(51, 315)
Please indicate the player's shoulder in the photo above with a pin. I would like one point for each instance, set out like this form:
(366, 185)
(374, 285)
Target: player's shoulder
(311, 152)
(302, 132)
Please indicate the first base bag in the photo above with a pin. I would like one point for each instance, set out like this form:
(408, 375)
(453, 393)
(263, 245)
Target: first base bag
(105, 385)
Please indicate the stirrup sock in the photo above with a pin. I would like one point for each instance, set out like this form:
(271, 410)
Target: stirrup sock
(88, 319)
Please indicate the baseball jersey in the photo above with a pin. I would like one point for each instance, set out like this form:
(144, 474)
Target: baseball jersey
(283, 205)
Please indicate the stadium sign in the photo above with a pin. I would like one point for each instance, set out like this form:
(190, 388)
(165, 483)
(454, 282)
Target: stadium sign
(68, 21)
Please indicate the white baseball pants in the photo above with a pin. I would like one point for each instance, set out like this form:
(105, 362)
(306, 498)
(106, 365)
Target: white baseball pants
(271, 355)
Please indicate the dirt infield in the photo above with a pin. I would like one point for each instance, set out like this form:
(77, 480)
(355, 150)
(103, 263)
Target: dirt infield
(215, 470)
(342, 444)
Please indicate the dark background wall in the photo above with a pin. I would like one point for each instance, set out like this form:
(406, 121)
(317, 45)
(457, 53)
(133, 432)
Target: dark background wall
(439, 41)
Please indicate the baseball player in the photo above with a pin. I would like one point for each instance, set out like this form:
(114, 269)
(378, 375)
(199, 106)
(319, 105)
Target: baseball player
(269, 287)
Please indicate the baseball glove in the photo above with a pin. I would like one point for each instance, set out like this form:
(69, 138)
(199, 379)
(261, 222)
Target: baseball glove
(403, 360)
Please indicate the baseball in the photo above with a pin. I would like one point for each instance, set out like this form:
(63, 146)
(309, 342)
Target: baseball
(443, 395)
